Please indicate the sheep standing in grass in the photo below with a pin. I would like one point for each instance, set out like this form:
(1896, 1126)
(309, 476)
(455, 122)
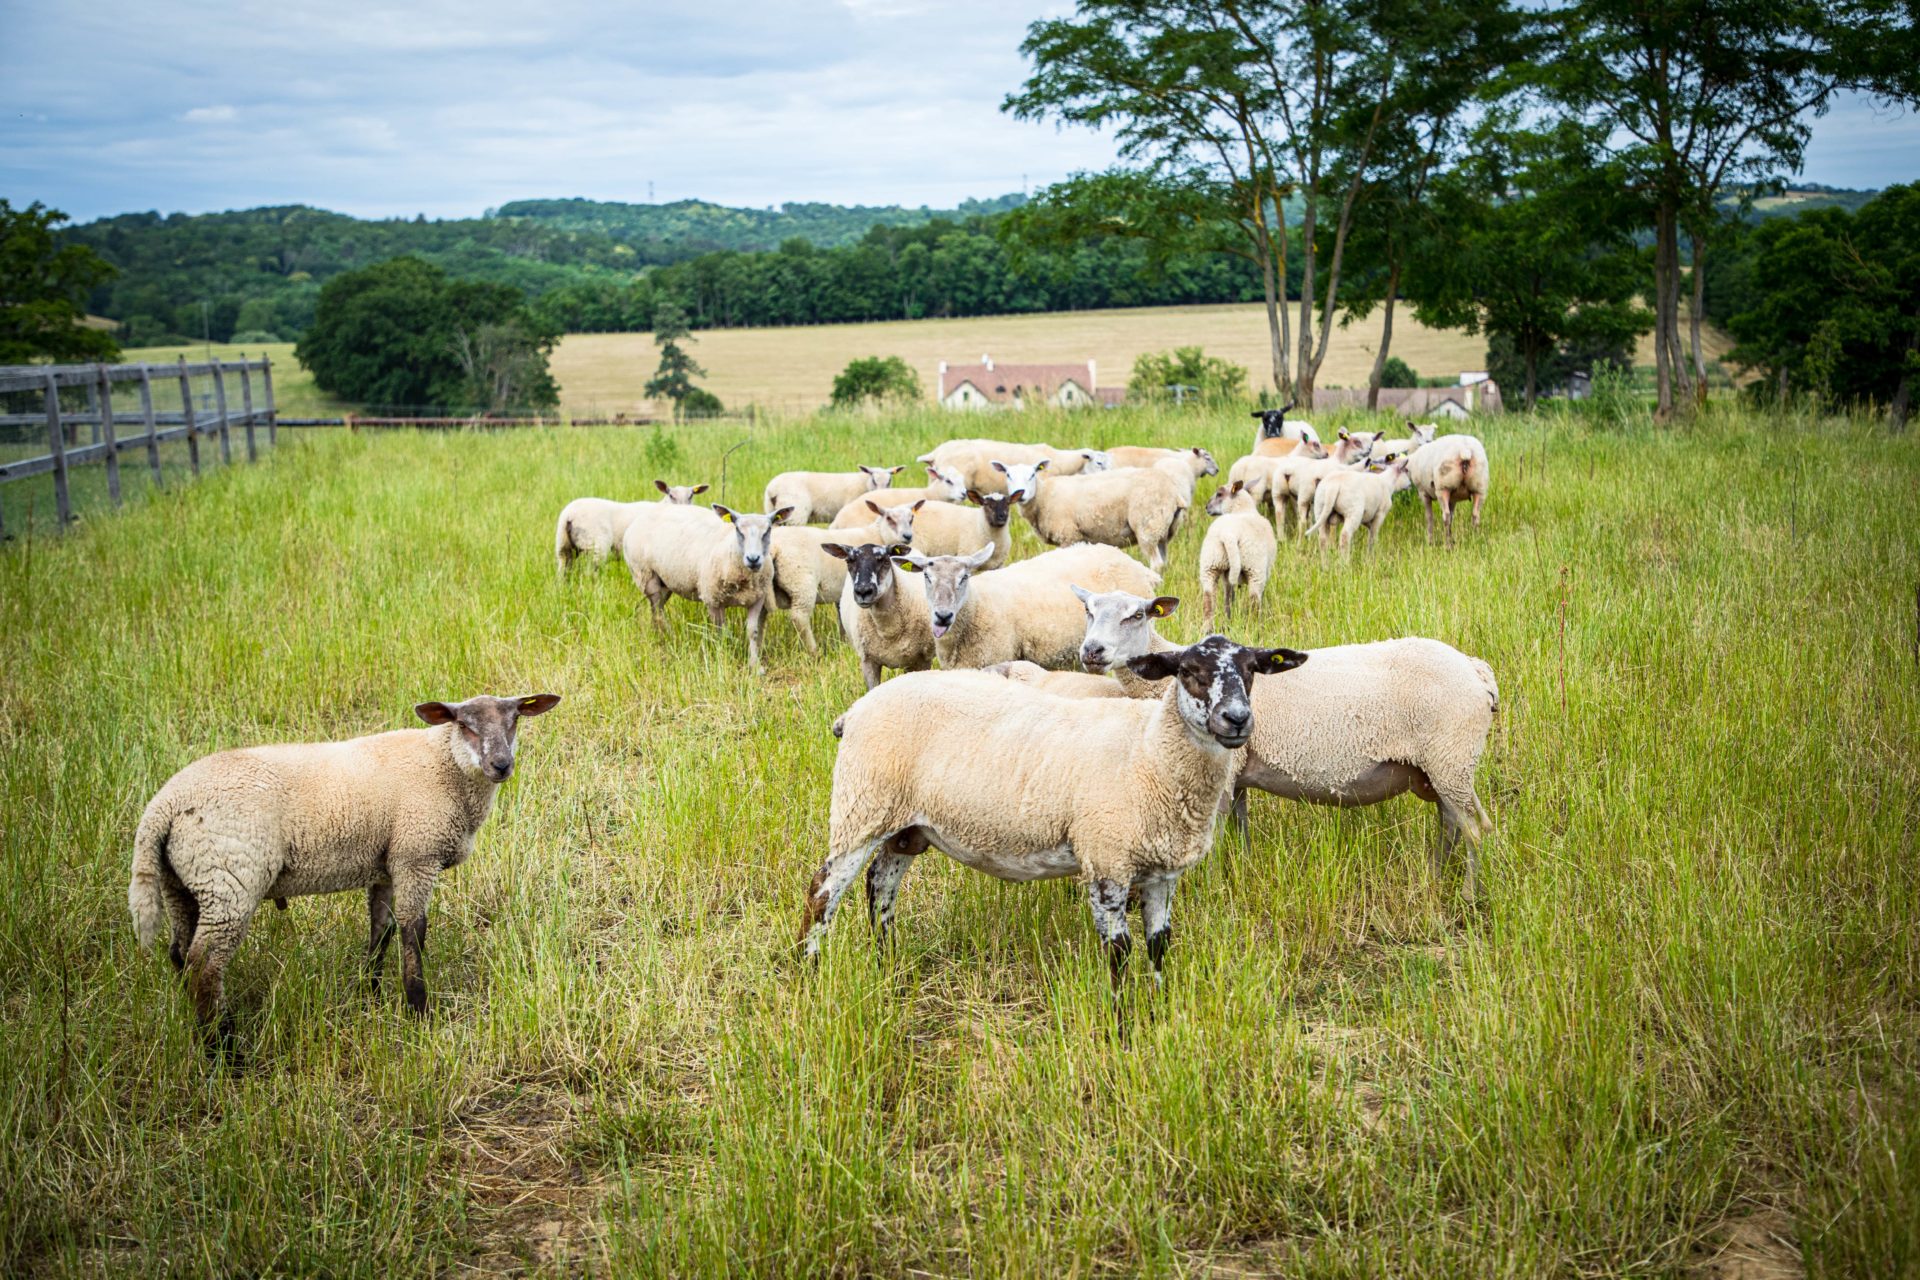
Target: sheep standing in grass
(386, 813)
(949, 529)
(1388, 450)
(595, 527)
(1357, 498)
(820, 495)
(883, 612)
(1238, 550)
(1363, 723)
(1117, 508)
(1121, 793)
(1449, 470)
(1302, 478)
(1278, 435)
(1026, 610)
(1185, 465)
(675, 551)
(942, 486)
(973, 461)
(805, 576)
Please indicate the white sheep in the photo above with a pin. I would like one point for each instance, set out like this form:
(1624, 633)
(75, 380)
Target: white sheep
(942, 486)
(973, 461)
(1071, 684)
(1449, 470)
(386, 813)
(1301, 478)
(805, 576)
(883, 612)
(1278, 435)
(1237, 551)
(595, 527)
(1388, 450)
(1357, 498)
(1184, 465)
(1117, 508)
(1121, 793)
(949, 529)
(820, 495)
(1026, 610)
(673, 551)
(1362, 724)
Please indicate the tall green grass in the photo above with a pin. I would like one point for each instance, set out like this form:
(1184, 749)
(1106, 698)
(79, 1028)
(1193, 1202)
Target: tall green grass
(1688, 996)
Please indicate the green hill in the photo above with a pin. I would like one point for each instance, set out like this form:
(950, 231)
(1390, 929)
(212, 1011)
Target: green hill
(697, 226)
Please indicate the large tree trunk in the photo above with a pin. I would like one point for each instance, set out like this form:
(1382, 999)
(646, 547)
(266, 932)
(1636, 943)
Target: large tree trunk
(1303, 359)
(1276, 304)
(1664, 243)
(1696, 310)
(1386, 337)
(1533, 381)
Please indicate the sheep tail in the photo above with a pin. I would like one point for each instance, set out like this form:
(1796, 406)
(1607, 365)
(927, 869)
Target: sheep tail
(924, 458)
(840, 725)
(564, 547)
(1319, 518)
(1234, 573)
(1492, 686)
(149, 862)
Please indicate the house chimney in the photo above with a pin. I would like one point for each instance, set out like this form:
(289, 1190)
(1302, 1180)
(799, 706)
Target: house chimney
(987, 361)
(1093, 378)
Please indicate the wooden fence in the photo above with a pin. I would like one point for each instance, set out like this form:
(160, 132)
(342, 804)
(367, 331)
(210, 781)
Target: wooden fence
(149, 427)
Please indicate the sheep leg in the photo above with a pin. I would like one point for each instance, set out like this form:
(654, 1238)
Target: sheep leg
(1478, 498)
(1206, 605)
(884, 875)
(184, 912)
(379, 930)
(214, 942)
(1446, 513)
(870, 671)
(717, 616)
(1461, 819)
(656, 592)
(1427, 502)
(1256, 590)
(1226, 599)
(411, 893)
(823, 896)
(1156, 917)
(1109, 901)
(1240, 820)
(757, 623)
(802, 616)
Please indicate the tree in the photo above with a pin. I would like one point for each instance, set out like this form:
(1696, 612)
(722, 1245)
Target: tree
(1696, 96)
(1393, 372)
(875, 378)
(1836, 309)
(403, 334)
(43, 290)
(673, 380)
(1186, 375)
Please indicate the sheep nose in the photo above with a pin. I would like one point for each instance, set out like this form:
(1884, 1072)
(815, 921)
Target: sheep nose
(753, 562)
(942, 616)
(1093, 654)
(500, 769)
(1237, 716)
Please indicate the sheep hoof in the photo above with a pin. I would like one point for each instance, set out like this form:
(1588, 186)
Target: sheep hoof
(281, 903)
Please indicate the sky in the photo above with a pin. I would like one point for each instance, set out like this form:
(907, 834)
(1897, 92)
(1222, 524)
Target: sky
(448, 109)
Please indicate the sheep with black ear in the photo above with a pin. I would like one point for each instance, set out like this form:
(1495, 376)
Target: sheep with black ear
(594, 527)
(1238, 550)
(386, 813)
(820, 495)
(883, 611)
(949, 529)
(1120, 793)
(806, 575)
(1278, 435)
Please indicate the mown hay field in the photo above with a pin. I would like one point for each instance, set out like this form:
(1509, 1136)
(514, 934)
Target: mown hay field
(1679, 1025)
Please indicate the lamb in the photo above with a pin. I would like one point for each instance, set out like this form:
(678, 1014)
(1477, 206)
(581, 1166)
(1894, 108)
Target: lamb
(1119, 792)
(1449, 470)
(1303, 477)
(942, 486)
(1356, 498)
(1184, 465)
(1363, 723)
(820, 495)
(683, 552)
(1026, 610)
(1278, 435)
(804, 578)
(973, 461)
(593, 527)
(883, 612)
(949, 529)
(1133, 456)
(1238, 550)
(1388, 450)
(386, 813)
(1118, 508)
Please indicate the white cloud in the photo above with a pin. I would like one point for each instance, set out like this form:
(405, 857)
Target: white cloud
(210, 115)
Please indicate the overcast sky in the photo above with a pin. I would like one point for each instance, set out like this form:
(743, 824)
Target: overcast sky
(449, 108)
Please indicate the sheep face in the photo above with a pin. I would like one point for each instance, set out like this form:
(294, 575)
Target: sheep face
(869, 569)
(998, 506)
(1422, 434)
(1119, 626)
(896, 523)
(1208, 467)
(486, 728)
(1215, 681)
(680, 495)
(1222, 500)
(947, 579)
(1356, 445)
(1023, 480)
(1096, 460)
(751, 533)
(1273, 422)
(880, 477)
(946, 485)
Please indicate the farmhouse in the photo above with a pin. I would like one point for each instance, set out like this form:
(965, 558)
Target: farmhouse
(1414, 403)
(1016, 386)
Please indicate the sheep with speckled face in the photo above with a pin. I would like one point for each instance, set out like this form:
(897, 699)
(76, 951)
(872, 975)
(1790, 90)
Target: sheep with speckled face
(883, 611)
(805, 574)
(949, 529)
(820, 495)
(595, 527)
(1121, 793)
(386, 813)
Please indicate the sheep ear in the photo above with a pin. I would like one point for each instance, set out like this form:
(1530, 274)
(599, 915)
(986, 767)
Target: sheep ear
(1259, 413)
(1162, 606)
(1271, 662)
(661, 485)
(1154, 666)
(1042, 465)
(873, 506)
(1238, 485)
(538, 704)
(980, 557)
(1080, 591)
(996, 464)
(916, 506)
(434, 712)
(1343, 434)
(780, 516)
(838, 550)
(723, 513)
(700, 489)
(903, 559)
(973, 496)
(899, 549)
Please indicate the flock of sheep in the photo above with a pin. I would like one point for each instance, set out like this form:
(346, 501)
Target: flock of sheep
(1115, 773)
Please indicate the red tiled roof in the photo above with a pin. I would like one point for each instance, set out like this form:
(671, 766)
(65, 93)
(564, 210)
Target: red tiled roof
(1034, 381)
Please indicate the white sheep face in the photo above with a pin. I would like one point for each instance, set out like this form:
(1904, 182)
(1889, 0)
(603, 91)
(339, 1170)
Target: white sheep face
(1119, 626)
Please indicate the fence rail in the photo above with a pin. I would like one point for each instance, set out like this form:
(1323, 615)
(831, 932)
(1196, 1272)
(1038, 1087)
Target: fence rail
(150, 426)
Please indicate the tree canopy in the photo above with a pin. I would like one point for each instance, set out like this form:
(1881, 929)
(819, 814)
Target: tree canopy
(43, 290)
(875, 380)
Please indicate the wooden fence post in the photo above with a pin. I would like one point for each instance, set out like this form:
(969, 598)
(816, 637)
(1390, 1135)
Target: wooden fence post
(246, 405)
(220, 407)
(93, 411)
(146, 411)
(106, 432)
(273, 417)
(186, 411)
(57, 441)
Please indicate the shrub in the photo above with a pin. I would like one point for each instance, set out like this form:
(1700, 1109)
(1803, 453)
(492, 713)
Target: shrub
(698, 402)
(1398, 373)
(1185, 375)
(875, 379)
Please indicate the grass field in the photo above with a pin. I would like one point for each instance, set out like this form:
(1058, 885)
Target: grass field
(1682, 1018)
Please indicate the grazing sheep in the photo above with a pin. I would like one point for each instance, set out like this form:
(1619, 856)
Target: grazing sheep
(1133, 456)
(594, 527)
(1119, 792)
(1362, 724)
(1238, 550)
(1302, 478)
(1388, 450)
(803, 577)
(1356, 498)
(1184, 465)
(820, 495)
(883, 612)
(386, 813)
(949, 529)
(973, 461)
(1278, 435)
(1117, 508)
(1279, 476)
(1449, 470)
(674, 552)
(1026, 610)
(942, 486)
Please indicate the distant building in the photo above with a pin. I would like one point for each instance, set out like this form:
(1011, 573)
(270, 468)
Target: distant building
(1018, 386)
(1417, 404)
